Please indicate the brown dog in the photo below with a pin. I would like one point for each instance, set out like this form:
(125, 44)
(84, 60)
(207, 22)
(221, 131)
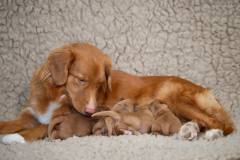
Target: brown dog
(81, 73)
(185, 99)
(106, 125)
(70, 80)
(166, 122)
(63, 127)
(129, 123)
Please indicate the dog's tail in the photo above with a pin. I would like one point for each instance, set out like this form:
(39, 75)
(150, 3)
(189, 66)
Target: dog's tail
(212, 107)
(53, 123)
(116, 116)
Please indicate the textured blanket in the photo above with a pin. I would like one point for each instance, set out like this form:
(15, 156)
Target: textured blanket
(198, 40)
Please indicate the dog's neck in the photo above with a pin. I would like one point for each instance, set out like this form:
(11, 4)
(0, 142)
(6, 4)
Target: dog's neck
(161, 111)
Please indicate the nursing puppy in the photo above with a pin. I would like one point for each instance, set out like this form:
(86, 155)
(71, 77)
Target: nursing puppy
(129, 123)
(166, 122)
(105, 126)
(70, 81)
(63, 127)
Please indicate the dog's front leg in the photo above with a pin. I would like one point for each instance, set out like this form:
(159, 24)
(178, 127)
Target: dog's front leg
(29, 135)
(25, 121)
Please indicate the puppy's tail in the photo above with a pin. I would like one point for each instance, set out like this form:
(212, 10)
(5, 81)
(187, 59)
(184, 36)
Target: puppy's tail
(116, 116)
(53, 123)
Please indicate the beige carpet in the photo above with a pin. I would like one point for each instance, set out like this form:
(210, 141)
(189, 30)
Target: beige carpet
(194, 39)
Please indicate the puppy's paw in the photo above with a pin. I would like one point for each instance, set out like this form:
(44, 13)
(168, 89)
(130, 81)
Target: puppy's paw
(213, 134)
(188, 131)
(56, 140)
(128, 132)
(13, 139)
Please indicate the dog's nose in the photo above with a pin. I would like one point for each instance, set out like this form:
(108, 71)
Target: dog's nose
(89, 110)
(90, 107)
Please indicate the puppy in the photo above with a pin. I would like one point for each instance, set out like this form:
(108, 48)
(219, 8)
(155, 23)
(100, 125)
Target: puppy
(129, 123)
(70, 81)
(166, 122)
(106, 125)
(63, 127)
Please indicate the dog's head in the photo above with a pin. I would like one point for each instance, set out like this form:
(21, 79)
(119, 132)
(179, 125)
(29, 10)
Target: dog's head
(125, 105)
(157, 106)
(84, 70)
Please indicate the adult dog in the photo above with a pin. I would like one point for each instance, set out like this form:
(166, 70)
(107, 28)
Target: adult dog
(77, 76)
(73, 75)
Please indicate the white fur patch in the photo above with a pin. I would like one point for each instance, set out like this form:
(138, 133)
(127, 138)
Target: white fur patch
(191, 128)
(45, 118)
(13, 139)
(213, 134)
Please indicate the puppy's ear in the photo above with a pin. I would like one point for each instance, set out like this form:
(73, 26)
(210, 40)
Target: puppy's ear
(161, 102)
(121, 99)
(108, 71)
(136, 108)
(59, 62)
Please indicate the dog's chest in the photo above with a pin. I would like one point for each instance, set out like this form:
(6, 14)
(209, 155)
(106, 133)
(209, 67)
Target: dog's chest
(45, 118)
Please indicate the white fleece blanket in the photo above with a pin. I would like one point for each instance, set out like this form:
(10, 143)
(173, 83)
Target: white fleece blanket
(194, 39)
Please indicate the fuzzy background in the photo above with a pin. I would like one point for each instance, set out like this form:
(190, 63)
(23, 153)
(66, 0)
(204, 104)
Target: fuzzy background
(198, 40)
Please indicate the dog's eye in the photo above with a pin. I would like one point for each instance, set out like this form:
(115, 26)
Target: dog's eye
(82, 81)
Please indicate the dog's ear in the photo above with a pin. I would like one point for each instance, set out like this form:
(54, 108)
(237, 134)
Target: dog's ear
(136, 108)
(59, 61)
(108, 71)
(161, 102)
(121, 99)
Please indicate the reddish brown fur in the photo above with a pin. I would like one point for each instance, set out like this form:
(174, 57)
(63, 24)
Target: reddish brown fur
(79, 71)
(139, 122)
(166, 122)
(185, 99)
(63, 127)
(106, 125)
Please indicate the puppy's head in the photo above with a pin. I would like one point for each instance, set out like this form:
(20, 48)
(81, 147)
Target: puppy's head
(84, 70)
(156, 106)
(125, 105)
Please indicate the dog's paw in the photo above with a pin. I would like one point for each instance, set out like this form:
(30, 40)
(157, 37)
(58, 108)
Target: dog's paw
(188, 131)
(128, 132)
(213, 134)
(56, 140)
(13, 139)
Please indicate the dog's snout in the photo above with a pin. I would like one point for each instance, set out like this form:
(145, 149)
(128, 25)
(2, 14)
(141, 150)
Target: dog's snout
(90, 107)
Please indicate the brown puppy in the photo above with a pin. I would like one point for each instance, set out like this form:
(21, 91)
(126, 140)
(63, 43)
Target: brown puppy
(63, 127)
(166, 122)
(185, 99)
(129, 123)
(70, 80)
(106, 125)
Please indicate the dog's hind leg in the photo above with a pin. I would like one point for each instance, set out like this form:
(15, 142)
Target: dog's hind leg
(156, 130)
(199, 122)
(29, 135)
(54, 137)
(134, 131)
(110, 125)
(25, 121)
